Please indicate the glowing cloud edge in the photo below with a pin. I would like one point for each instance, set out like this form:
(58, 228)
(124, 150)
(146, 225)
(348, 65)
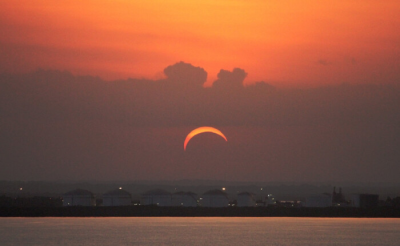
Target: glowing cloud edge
(202, 130)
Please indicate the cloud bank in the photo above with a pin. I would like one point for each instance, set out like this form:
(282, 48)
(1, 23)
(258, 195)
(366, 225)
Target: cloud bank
(55, 125)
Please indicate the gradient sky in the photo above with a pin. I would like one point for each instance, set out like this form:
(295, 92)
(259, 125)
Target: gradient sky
(303, 90)
(299, 43)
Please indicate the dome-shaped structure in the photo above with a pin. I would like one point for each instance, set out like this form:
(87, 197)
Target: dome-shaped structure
(246, 199)
(79, 197)
(215, 198)
(157, 197)
(117, 197)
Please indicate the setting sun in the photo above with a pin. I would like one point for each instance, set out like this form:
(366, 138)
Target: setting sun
(202, 130)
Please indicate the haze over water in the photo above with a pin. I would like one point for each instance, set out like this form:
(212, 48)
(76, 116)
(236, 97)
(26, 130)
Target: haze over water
(199, 231)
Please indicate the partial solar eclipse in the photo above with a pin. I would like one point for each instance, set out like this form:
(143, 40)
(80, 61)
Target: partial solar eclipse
(201, 130)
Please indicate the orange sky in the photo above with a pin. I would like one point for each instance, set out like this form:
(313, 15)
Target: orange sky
(308, 42)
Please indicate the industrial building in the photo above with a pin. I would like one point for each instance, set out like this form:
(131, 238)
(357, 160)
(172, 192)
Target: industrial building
(364, 200)
(79, 197)
(319, 201)
(157, 197)
(215, 198)
(117, 197)
(246, 199)
(270, 200)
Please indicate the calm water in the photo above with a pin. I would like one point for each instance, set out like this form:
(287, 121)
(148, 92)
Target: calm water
(198, 231)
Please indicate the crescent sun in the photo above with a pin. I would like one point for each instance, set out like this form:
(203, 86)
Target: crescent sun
(201, 130)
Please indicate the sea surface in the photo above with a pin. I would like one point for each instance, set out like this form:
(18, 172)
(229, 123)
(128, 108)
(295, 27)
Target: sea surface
(199, 231)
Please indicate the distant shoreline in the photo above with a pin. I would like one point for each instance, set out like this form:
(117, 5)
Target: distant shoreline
(154, 211)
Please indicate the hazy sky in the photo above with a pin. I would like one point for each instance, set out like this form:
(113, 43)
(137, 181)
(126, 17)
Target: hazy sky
(308, 42)
(302, 90)
(58, 126)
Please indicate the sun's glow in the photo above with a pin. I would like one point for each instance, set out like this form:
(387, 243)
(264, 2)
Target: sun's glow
(202, 130)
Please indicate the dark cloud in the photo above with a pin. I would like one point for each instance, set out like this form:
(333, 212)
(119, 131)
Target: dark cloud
(260, 87)
(230, 80)
(55, 125)
(186, 75)
(55, 95)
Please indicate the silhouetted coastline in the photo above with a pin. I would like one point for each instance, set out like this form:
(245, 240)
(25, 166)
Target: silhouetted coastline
(155, 211)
